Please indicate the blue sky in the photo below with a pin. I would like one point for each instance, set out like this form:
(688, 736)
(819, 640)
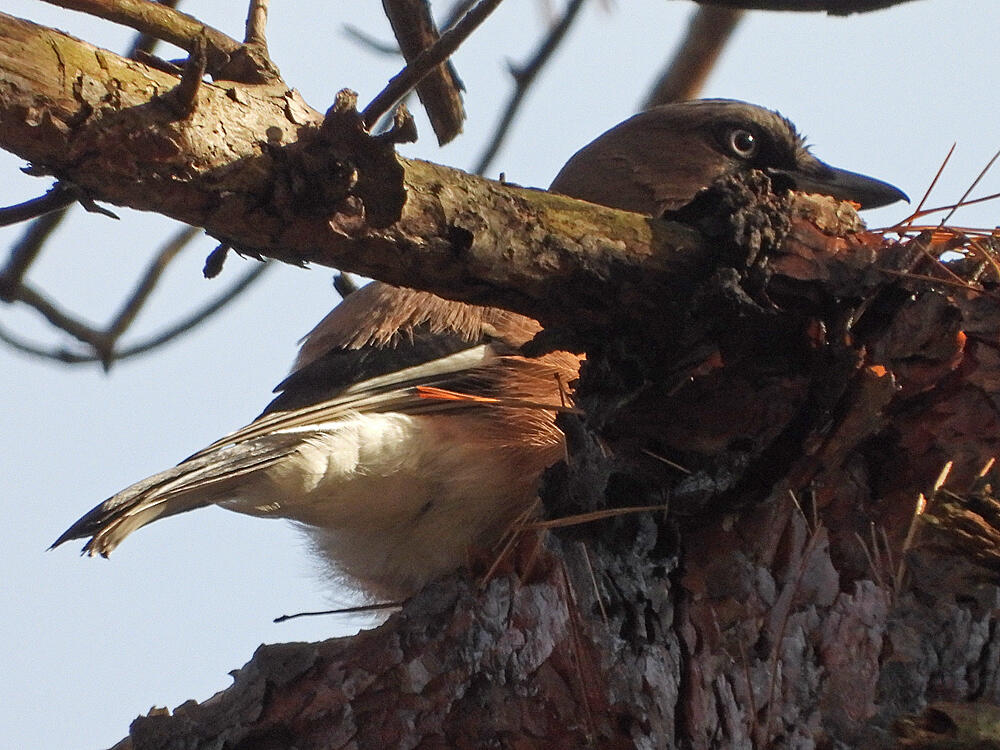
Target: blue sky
(87, 645)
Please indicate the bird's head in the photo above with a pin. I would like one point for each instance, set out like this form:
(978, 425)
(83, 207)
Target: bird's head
(660, 159)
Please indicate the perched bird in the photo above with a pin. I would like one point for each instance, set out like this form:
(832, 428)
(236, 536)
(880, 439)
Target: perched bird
(410, 429)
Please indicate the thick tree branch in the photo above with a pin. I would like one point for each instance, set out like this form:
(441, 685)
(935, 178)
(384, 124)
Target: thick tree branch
(236, 167)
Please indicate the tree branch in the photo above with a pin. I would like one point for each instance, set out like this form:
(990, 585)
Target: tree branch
(706, 37)
(524, 76)
(833, 7)
(427, 61)
(441, 90)
(159, 21)
(478, 240)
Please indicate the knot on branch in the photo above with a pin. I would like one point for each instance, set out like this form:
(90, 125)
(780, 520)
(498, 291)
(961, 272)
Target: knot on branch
(341, 171)
(742, 213)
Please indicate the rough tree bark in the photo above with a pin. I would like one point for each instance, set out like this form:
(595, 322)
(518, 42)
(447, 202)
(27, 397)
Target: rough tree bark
(785, 384)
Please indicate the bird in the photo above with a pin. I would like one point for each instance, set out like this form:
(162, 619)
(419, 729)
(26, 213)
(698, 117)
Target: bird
(411, 429)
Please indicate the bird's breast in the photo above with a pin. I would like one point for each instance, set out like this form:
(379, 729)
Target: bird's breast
(394, 500)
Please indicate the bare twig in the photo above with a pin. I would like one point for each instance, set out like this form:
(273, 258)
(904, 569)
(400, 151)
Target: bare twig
(980, 176)
(24, 252)
(362, 608)
(57, 198)
(441, 90)
(183, 326)
(367, 40)
(148, 282)
(707, 34)
(55, 316)
(256, 24)
(198, 316)
(427, 60)
(103, 341)
(524, 77)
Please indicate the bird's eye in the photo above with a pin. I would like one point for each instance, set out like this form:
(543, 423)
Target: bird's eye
(742, 143)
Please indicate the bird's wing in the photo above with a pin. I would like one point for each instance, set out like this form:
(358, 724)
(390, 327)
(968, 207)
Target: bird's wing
(192, 484)
(388, 350)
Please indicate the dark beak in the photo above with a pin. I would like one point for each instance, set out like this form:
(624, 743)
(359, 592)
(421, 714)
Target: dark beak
(816, 177)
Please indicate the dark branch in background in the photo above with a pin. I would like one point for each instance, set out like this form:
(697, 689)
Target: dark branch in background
(441, 89)
(57, 198)
(102, 342)
(707, 34)
(833, 7)
(146, 43)
(146, 285)
(53, 207)
(426, 61)
(197, 317)
(524, 77)
(373, 44)
(24, 252)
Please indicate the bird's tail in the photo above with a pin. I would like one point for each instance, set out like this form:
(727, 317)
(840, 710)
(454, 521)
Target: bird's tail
(203, 479)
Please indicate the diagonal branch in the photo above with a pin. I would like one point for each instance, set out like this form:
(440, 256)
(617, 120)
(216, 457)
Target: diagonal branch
(524, 77)
(159, 21)
(441, 90)
(227, 58)
(428, 60)
(707, 35)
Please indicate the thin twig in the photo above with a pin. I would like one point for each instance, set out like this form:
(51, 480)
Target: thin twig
(927, 193)
(183, 326)
(199, 315)
(373, 44)
(594, 515)
(524, 77)
(342, 611)
(593, 582)
(48, 310)
(400, 84)
(25, 251)
(710, 28)
(147, 283)
(57, 198)
(980, 176)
